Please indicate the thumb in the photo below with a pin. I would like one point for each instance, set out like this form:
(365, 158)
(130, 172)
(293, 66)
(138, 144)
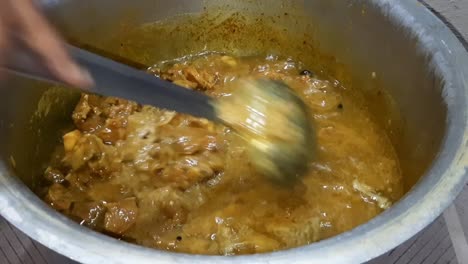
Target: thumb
(41, 38)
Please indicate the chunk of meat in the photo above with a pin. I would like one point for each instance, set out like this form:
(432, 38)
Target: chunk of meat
(54, 175)
(61, 198)
(170, 202)
(186, 83)
(293, 233)
(70, 139)
(190, 140)
(104, 116)
(121, 216)
(242, 240)
(89, 150)
(105, 191)
(204, 80)
(90, 213)
(368, 192)
(229, 61)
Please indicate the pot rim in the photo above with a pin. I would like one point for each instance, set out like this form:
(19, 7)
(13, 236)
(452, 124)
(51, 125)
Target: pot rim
(426, 201)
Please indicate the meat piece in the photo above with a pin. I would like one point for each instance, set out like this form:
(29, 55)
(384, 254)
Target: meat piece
(82, 109)
(229, 61)
(174, 72)
(90, 148)
(242, 240)
(104, 116)
(228, 240)
(186, 172)
(190, 140)
(186, 83)
(113, 130)
(70, 139)
(214, 160)
(108, 192)
(91, 213)
(87, 113)
(169, 203)
(144, 123)
(54, 175)
(79, 180)
(167, 199)
(204, 80)
(60, 197)
(293, 233)
(192, 144)
(121, 216)
(368, 192)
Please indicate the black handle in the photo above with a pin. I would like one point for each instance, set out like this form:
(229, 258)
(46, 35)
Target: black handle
(119, 80)
(116, 79)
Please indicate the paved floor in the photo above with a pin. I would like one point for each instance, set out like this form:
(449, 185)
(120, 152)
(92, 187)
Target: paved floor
(443, 242)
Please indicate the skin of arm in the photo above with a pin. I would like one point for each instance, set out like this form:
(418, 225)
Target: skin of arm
(22, 23)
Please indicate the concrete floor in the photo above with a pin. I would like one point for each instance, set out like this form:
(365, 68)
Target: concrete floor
(444, 241)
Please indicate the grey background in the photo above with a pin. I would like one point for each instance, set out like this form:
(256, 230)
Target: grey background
(444, 241)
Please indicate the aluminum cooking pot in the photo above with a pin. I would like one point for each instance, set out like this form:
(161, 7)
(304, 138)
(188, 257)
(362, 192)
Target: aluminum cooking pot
(394, 46)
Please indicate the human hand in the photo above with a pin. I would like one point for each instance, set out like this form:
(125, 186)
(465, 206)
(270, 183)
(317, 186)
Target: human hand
(21, 23)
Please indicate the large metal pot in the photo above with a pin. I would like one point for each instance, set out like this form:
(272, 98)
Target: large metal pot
(391, 44)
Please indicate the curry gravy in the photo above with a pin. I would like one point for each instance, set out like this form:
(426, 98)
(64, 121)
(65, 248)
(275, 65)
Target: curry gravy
(174, 182)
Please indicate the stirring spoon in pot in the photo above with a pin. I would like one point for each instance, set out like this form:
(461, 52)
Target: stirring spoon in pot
(271, 118)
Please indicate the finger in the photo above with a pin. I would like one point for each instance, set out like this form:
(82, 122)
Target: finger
(37, 33)
(3, 46)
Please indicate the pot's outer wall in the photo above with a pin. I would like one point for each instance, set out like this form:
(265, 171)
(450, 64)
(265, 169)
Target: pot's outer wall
(393, 39)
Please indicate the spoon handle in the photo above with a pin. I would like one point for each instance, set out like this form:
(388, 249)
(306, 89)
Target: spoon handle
(115, 79)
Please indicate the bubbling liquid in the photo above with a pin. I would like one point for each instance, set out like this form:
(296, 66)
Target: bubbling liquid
(174, 182)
